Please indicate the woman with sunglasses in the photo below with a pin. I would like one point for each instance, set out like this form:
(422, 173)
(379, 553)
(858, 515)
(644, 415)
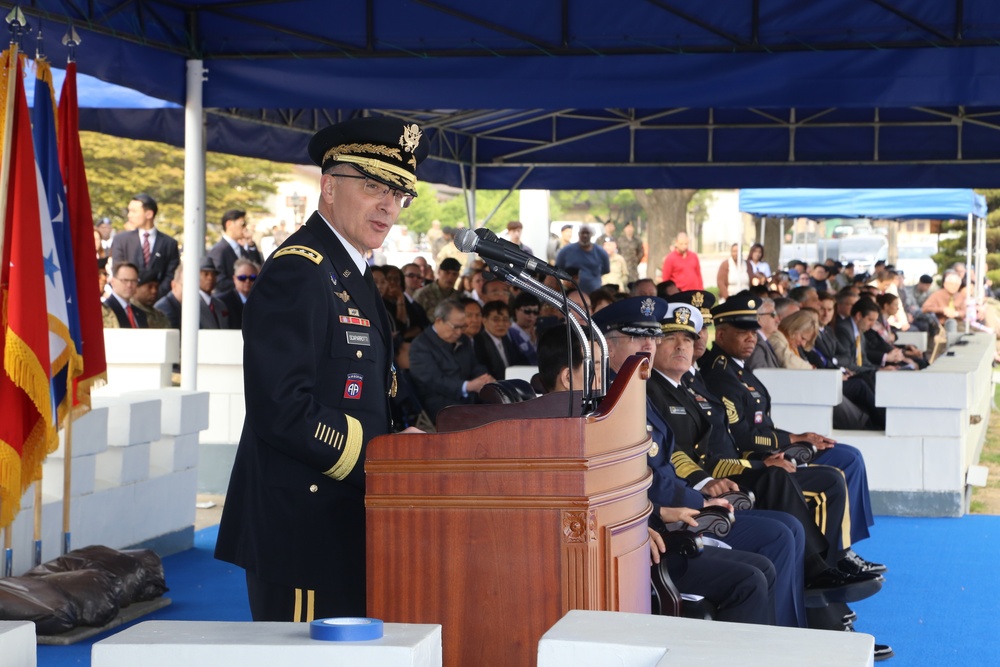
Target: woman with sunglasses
(522, 331)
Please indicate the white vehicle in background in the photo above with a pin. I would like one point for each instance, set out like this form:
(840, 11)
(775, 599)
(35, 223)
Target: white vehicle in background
(915, 260)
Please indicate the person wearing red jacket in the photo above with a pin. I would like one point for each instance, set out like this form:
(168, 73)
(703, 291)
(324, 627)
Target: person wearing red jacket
(682, 266)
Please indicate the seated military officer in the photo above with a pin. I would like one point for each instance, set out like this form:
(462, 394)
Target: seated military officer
(632, 326)
(705, 444)
(748, 411)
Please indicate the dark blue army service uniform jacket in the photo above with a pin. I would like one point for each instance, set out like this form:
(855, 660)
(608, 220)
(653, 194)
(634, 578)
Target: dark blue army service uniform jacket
(317, 369)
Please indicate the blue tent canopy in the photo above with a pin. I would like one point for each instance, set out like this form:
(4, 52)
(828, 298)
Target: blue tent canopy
(936, 203)
(572, 94)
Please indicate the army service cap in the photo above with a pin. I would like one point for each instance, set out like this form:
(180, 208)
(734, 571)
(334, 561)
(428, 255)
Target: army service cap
(740, 310)
(384, 149)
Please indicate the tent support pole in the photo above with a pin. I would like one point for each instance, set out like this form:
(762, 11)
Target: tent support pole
(507, 196)
(194, 221)
(968, 265)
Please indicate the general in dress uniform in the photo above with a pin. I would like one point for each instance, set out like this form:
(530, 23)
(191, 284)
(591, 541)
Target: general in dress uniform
(318, 375)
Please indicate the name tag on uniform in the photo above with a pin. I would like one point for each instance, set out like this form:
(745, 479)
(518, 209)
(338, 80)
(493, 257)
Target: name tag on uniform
(361, 322)
(754, 393)
(674, 410)
(359, 338)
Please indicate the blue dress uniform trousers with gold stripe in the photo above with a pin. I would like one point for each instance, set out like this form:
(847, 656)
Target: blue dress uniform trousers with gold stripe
(318, 371)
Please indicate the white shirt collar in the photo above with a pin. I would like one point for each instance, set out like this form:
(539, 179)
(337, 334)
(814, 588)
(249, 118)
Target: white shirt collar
(355, 254)
(122, 302)
(207, 298)
(237, 248)
(668, 378)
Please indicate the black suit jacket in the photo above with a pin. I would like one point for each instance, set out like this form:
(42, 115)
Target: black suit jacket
(317, 364)
(847, 350)
(171, 307)
(164, 255)
(489, 356)
(223, 256)
(234, 305)
(763, 356)
(439, 370)
(140, 317)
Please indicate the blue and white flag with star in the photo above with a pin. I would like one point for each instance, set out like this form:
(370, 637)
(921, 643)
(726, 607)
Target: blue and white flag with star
(57, 252)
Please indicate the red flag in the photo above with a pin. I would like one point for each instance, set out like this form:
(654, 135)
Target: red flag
(81, 218)
(27, 432)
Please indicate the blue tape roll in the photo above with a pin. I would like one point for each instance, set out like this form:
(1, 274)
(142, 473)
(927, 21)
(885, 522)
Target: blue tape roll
(346, 629)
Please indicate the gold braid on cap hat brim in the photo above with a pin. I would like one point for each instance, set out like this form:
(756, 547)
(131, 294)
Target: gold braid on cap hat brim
(671, 327)
(378, 168)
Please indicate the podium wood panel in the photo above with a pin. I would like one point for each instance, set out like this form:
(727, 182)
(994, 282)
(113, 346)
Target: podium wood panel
(496, 531)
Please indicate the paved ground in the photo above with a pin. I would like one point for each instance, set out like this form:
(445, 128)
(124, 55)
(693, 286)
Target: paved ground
(208, 516)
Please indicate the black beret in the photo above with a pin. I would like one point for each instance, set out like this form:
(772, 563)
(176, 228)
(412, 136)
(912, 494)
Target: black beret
(385, 149)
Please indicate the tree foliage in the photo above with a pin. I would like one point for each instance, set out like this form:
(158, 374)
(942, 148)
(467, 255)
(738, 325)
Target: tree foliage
(953, 250)
(119, 168)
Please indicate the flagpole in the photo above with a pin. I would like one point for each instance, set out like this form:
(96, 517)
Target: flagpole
(67, 480)
(8, 136)
(38, 523)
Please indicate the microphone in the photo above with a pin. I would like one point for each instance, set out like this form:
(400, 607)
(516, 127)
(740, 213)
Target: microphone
(488, 245)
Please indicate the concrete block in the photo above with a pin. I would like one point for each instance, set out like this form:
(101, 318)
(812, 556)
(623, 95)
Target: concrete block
(220, 379)
(894, 464)
(916, 389)
(90, 434)
(218, 420)
(207, 644)
(172, 453)
(124, 465)
(944, 465)
(168, 503)
(926, 421)
(601, 638)
(916, 338)
(142, 346)
(237, 415)
(802, 387)
(23, 539)
(220, 347)
(182, 411)
(125, 377)
(83, 473)
(17, 643)
(131, 420)
(108, 516)
(801, 418)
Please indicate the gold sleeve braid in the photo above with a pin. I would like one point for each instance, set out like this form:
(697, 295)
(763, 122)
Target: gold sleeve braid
(683, 464)
(727, 467)
(352, 451)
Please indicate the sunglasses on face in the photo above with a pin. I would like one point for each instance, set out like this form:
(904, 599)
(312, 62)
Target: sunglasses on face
(530, 311)
(252, 276)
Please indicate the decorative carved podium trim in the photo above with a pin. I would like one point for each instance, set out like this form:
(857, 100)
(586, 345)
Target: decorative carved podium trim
(579, 527)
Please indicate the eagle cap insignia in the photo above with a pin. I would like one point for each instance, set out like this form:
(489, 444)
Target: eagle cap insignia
(410, 138)
(646, 307)
(698, 299)
(683, 315)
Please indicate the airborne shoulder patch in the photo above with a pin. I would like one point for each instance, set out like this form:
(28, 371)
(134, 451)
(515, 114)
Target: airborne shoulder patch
(731, 413)
(301, 251)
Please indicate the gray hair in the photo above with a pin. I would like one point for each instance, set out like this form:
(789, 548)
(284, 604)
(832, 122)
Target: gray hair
(445, 308)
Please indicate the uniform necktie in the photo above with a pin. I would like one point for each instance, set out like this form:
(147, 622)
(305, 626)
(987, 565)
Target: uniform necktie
(131, 316)
(145, 249)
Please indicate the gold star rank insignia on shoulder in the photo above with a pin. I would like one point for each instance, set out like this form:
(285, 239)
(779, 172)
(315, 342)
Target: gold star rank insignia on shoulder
(343, 296)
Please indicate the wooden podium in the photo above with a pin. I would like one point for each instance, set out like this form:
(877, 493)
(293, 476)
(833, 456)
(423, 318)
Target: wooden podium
(496, 530)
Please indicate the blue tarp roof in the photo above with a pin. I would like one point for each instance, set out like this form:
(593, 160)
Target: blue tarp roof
(934, 203)
(573, 94)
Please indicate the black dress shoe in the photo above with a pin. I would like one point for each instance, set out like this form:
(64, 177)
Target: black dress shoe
(852, 563)
(883, 652)
(832, 585)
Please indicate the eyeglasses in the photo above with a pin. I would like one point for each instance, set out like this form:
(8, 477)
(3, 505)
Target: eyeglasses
(252, 276)
(456, 327)
(770, 314)
(530, 311)
(378, 190)
(412, 275)
(637, 340)
(128, 281)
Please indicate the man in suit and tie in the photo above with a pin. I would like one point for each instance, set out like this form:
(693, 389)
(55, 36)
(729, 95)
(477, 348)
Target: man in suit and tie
(118, 312)
(851, 340)
(763, 355)
(229, 249)
(145, 247)
(244, 275)
(214, 314)
(494, 347)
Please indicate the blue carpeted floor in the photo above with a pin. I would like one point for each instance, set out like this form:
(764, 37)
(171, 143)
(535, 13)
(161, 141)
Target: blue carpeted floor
(937, 607)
